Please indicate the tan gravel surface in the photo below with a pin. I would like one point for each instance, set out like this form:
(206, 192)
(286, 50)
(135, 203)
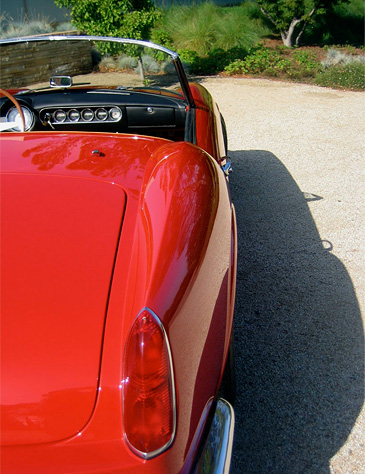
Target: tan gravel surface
(298, 185)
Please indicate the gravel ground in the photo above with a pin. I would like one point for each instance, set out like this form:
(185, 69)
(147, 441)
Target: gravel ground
(298, 188)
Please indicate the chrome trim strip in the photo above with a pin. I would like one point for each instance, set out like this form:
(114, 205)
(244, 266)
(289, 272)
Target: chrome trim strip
(145, 44)
(217, 452)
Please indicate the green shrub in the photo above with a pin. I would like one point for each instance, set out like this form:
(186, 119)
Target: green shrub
(278, 62)
(236, 67)
(107, 63)
(214, 62)
(123, 18)
(348, 76)
(344, 24)
(126, 62)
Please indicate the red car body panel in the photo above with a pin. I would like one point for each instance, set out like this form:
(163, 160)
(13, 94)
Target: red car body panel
(174, 225)
(95, 228)
(57, 262)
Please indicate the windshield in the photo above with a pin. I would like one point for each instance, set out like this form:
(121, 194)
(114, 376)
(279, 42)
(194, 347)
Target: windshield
(91, 83)
(33, 63)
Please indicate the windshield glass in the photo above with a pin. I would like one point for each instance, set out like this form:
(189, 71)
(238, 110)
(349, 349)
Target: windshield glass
(111, 64)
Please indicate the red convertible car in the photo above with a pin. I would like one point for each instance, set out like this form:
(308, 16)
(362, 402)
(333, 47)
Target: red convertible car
(118, 262)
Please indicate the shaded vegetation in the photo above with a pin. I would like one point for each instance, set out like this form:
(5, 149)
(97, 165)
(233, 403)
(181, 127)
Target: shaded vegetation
(236, 40)
(347, 76)
(344, 24)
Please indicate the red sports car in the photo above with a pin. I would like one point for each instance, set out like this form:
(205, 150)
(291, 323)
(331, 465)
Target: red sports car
(118, 262)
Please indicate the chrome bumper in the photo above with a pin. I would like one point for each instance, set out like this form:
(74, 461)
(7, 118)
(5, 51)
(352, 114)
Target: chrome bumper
(217, 451)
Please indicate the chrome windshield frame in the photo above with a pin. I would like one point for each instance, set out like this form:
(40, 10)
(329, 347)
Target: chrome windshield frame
(142, 43)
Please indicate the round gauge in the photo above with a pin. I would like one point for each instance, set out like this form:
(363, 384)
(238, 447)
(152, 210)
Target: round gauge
(87, 115)
(14, 116)
(115, 114)
(59, 116)
(74, 115)
(101, 114)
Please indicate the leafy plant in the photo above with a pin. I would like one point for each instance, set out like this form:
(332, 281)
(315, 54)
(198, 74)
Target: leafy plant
(342, 24)
(159, 36)
(236, 67)
(349, 76)
(123, 18)
(214, 62)
(279, 62)
(290, 18)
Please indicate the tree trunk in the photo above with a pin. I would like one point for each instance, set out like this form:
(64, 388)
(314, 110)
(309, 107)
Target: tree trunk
(26, 14)
(303, 28)
(141, 70)
(288, 36)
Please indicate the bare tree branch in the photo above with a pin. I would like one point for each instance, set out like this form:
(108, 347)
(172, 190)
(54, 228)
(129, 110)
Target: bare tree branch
(297, 40)
(269, 16)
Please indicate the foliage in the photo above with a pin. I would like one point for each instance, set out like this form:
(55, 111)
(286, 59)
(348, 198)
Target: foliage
(291, 17)
(159, 36)
(214, 62)
(343, 24)
(348, 76)
(14, 29)
(206, 27)
(122, 18)
(336, 58)
(277, 62)
(124, 62)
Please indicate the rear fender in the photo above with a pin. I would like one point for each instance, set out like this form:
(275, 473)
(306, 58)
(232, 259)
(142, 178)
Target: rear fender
(181, 263)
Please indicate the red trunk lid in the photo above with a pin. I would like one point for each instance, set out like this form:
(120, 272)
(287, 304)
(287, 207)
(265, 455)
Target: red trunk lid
(58, 244)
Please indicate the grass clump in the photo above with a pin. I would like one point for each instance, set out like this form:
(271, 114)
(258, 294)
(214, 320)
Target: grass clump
(344, 76)
(16, 29)
(336, 58)
(207, 27)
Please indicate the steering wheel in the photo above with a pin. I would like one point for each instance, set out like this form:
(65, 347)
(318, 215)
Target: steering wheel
(16, 103)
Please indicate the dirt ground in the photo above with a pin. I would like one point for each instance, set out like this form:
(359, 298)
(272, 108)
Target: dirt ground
(298, 186)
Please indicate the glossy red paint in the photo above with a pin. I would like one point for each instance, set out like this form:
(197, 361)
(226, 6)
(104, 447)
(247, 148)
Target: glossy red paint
(208, 122)
(177, 220)
(56, 268)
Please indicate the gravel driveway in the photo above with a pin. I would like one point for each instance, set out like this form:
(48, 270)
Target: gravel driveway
(298, 187)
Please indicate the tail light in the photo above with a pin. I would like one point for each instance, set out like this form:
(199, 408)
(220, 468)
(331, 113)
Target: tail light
(149, 406)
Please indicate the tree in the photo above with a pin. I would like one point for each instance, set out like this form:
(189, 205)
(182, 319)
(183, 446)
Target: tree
(121, 18)
(290, 17)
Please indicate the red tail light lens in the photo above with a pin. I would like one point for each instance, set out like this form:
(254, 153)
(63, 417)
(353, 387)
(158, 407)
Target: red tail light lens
(149, 406)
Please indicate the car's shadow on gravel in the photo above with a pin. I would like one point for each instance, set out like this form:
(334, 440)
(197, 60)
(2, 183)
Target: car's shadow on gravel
(298, 329)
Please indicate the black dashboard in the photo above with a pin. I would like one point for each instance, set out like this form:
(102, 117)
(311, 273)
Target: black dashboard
(149, 112)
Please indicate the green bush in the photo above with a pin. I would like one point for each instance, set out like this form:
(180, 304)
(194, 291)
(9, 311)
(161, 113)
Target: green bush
(278, 62)
(123, 18)
(159, 36)
(348, 76)
(344, 24)
(236, 67)
(213, 63)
